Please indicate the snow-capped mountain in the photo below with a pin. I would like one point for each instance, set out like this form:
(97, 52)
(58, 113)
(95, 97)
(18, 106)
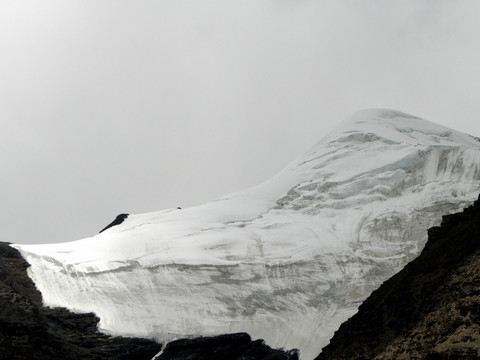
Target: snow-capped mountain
(287, 261)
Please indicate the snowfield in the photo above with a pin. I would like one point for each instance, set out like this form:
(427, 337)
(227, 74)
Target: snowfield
(287, 261)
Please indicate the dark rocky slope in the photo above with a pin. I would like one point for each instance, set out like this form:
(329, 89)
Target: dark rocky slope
(429, 310)
(30, 331)
(225, 347)
(118, 220)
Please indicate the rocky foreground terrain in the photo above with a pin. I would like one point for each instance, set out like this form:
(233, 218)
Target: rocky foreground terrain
(430, 310)
(30, 331)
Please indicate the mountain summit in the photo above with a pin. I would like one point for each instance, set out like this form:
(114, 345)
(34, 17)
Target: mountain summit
(288, 260)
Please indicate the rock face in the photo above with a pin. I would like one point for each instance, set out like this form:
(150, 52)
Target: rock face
(118, 220)
(429, 310)
(232, 347)
(30, 331)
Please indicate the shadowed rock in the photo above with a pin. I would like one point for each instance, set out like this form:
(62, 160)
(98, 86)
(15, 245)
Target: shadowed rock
(30, 331)
(231, 346)
(430, 309)
(118, 220)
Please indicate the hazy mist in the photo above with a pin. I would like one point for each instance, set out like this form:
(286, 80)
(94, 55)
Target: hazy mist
(133, 106)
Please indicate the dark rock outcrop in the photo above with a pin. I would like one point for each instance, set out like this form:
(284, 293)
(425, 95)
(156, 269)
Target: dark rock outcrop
(430, 309)
(118, 220)
(232, 347)
(30, 331)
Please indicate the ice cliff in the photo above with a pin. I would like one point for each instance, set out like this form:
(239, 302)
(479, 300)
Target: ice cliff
(287, 261)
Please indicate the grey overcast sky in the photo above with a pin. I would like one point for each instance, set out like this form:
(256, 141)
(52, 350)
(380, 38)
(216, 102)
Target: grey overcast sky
(133, 106)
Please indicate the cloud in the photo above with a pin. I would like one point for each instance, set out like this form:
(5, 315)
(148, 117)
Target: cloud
(114, 106)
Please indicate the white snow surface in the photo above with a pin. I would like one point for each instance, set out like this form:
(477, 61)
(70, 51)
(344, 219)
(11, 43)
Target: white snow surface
(287, 261)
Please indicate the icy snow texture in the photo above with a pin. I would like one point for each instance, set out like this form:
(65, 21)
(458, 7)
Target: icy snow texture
(287, 261)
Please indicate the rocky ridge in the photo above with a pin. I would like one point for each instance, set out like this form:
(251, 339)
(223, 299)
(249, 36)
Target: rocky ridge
(230, 346)
(30, 331)
(429, 310)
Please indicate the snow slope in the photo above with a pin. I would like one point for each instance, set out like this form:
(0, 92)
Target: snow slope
(287, 261)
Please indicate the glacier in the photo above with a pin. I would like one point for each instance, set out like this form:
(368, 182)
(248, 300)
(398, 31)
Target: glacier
(288, 260)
